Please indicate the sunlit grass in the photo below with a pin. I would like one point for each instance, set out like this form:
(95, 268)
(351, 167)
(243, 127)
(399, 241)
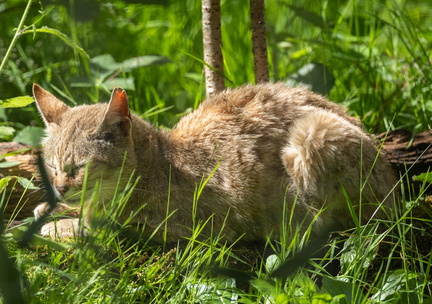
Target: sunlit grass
(381, 262)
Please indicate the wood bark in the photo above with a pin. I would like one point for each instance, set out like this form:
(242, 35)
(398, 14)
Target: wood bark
(408, 154)
(212, 42)
(259, 42)
(17, 201)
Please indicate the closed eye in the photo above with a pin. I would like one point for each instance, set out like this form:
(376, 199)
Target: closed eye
(73, 170)
(49, 165)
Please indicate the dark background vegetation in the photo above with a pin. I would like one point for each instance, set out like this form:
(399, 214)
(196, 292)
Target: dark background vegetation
(372, 56)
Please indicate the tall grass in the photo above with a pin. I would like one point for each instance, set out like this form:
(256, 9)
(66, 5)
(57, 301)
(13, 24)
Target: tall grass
(381, 262)
(378, 53)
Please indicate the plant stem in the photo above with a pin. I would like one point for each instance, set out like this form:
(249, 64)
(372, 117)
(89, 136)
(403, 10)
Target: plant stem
(16, 36)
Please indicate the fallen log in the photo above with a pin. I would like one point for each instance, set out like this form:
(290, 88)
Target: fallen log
(410, 155)
(19, 160)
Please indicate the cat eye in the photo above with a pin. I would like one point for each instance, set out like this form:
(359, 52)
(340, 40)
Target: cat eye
(108, 137)
(72, 170)
(51, 167)
(104, 137)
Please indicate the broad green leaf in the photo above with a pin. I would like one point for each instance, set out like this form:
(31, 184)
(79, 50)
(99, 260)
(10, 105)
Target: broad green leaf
(124, 83)
(322, 299)
(63, 37)
(143, 61)
(9, 164)
(15, 152)
(272, 262)
(16, 102)
(4, 182)
(6, 131)
(336, 287)
(104, 64)
(424, 177)
(26, 183)
(266, 287)
(283, 298)
(301, 53)
(428, 105)
(30, 135)
(214, 291)
(356, 254)
(399, 284)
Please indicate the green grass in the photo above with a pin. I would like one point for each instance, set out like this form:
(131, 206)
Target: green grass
(378, 53)
(382, 262)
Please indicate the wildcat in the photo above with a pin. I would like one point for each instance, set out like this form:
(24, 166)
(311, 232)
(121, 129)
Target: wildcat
(259, 148)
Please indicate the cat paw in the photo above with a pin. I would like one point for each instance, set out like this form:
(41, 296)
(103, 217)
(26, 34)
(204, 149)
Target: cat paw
(62, 209)
(64, 228)
(40, 210)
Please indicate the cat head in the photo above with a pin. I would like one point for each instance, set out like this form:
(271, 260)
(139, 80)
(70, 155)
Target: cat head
(97, 136)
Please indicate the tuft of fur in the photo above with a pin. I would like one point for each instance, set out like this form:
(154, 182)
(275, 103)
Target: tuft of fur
(274, 148)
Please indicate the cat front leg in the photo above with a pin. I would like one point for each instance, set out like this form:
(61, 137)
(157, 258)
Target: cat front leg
(62, 209)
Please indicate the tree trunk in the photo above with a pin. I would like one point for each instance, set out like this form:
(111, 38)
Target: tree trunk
(212, 41)
(259, 43)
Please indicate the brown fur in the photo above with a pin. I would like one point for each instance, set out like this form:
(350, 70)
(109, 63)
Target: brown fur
(271, 144)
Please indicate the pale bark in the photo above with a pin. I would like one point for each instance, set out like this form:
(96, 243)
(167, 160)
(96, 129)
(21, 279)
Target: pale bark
(259, 43)
(212, 40)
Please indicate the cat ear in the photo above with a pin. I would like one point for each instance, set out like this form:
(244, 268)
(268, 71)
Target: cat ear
(49, 106)
(118, 112)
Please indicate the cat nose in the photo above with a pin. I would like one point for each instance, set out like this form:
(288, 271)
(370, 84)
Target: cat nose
(62, 189)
